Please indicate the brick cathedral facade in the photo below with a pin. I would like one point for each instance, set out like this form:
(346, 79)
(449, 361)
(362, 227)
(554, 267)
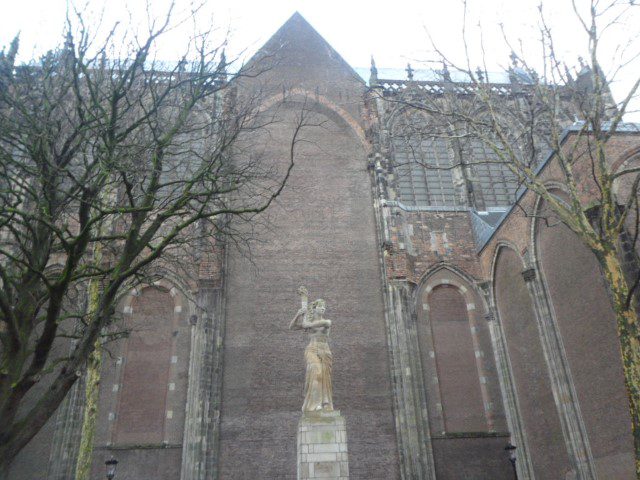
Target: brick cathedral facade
(460, 322)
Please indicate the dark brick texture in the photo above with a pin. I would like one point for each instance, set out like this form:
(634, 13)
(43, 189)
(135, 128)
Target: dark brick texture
(535, 397)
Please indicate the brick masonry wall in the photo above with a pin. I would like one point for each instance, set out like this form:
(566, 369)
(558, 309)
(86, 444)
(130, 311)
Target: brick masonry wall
(457, 372)
(144, 386)
(482, 458)
(141, 409)
(422, 240)
(535, 397)
(588, 329)
(321, 234)
(579, 304)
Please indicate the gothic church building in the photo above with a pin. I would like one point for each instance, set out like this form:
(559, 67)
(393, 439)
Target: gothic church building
(459, 323)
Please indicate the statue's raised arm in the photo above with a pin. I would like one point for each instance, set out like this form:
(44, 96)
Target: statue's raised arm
(299, 318)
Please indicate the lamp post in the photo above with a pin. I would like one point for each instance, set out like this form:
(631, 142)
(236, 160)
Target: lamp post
(511, 450)
(111, 468)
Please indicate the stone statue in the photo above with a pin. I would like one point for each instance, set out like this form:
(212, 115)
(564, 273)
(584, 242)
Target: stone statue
(318, 391)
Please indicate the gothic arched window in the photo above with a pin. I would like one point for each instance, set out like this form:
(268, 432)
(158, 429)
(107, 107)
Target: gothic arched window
(424, 164)
(436, 165)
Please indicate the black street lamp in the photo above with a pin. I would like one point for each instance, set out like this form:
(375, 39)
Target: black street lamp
(111, 468)
(511, 449)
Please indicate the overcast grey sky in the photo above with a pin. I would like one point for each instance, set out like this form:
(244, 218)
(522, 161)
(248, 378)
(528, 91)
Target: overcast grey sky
(395, 32)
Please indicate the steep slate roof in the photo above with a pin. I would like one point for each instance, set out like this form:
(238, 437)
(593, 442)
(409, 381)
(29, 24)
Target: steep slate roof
(297, 43)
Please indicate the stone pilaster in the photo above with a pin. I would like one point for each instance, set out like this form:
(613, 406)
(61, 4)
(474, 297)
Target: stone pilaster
(67, 433)
(412, 422)
(202, 423)
(322, 446)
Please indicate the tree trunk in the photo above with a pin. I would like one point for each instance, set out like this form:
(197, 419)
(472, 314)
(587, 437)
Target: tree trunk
(19, 435)
(92, 389)
(628, 333)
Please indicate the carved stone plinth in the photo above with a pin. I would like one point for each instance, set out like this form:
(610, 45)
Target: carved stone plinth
(322, 446)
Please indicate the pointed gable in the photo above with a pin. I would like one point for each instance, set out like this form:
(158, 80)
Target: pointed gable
(298, 45)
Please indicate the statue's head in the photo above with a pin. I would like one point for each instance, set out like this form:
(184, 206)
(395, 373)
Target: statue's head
(319, 306)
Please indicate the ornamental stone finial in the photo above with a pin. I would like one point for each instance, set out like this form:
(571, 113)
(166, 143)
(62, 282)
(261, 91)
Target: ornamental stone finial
(446, 75)
(373, 77)
(409, 71)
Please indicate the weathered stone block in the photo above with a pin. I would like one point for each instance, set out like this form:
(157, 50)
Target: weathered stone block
(322, 446)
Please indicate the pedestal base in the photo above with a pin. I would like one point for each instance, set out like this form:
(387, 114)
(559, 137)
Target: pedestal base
(322, 446)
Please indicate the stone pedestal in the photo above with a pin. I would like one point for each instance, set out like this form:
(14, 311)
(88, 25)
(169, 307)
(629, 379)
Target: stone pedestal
(322, 446)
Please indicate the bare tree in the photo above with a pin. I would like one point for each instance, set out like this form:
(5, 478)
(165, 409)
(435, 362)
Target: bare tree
(111, 168)
(517, 123)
